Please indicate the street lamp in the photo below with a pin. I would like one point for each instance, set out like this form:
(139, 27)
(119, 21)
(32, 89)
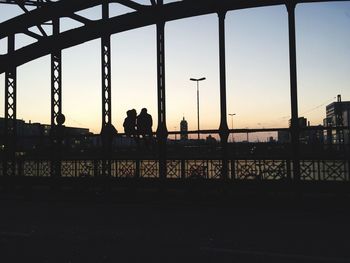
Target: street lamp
(232, 114)
(197, 80)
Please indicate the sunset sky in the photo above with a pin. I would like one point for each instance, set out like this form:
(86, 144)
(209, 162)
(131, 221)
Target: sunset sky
(257, 69)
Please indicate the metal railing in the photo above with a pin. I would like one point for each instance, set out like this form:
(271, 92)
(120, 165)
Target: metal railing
(84, 155)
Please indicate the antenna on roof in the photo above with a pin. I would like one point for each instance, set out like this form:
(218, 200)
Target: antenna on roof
(339, 98)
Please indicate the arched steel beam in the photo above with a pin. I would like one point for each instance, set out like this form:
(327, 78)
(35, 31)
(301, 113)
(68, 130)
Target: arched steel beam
(146, 17)
(37, 3)
(66, 8)
(63, 8)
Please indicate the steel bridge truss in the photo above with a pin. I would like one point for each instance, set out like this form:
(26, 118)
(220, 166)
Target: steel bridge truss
(156, 12)
(36, 3)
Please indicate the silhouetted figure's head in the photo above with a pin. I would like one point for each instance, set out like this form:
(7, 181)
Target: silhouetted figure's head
(144, 111)
(60, 119)
(133, 113)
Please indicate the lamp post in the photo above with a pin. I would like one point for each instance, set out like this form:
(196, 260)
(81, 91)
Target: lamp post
(232, 114)
(197, 80)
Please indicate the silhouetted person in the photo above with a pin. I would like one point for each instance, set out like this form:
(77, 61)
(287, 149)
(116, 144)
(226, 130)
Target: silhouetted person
(130, 123)
(144, 125)
(107, 134)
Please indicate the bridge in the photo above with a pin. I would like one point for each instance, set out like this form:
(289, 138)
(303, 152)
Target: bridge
(109, 157)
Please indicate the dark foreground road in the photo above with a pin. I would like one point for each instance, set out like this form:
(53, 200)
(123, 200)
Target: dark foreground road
(83, 231)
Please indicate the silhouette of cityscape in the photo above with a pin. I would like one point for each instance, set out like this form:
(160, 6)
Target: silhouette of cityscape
(337, 115)
(140, 191)
(148, 149)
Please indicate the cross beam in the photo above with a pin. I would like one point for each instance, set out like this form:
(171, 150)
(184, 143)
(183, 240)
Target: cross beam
(37, 3)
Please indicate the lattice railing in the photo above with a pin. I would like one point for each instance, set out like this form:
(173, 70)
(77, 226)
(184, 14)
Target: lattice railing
(149, 168)
(325, 170)
(126, 168)
(174, 169)
(261, 169)
(310, 170)
(36, 168)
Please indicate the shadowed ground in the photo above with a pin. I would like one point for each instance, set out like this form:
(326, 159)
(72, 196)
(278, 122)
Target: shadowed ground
(270, 230)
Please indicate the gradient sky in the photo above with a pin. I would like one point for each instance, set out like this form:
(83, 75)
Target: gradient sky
(257, 69)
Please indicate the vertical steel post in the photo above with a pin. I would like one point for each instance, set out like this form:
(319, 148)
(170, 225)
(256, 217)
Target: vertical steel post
(223, 129)
(233, 170)
(162, 131)
(56, 86)
(347, 145)
(293, 91)
(10, 125)
(183, 169)
(107, 130)
(198, 128)
(106, 72)
(56, 104)
(137, 168)
(56, 83)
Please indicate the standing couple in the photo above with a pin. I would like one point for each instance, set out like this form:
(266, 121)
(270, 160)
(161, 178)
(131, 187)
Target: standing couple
(135, 126)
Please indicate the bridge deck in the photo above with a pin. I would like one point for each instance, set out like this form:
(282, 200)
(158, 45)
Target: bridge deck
(81, 231)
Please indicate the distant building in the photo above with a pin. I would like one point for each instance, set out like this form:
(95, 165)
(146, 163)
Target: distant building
(305, 136)
(30, 134)
(271, 139)
(302, 122)
(23, 128)
(337, 115)
(183, 130)
(284, 136)
(38, 129)
(210, 140)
